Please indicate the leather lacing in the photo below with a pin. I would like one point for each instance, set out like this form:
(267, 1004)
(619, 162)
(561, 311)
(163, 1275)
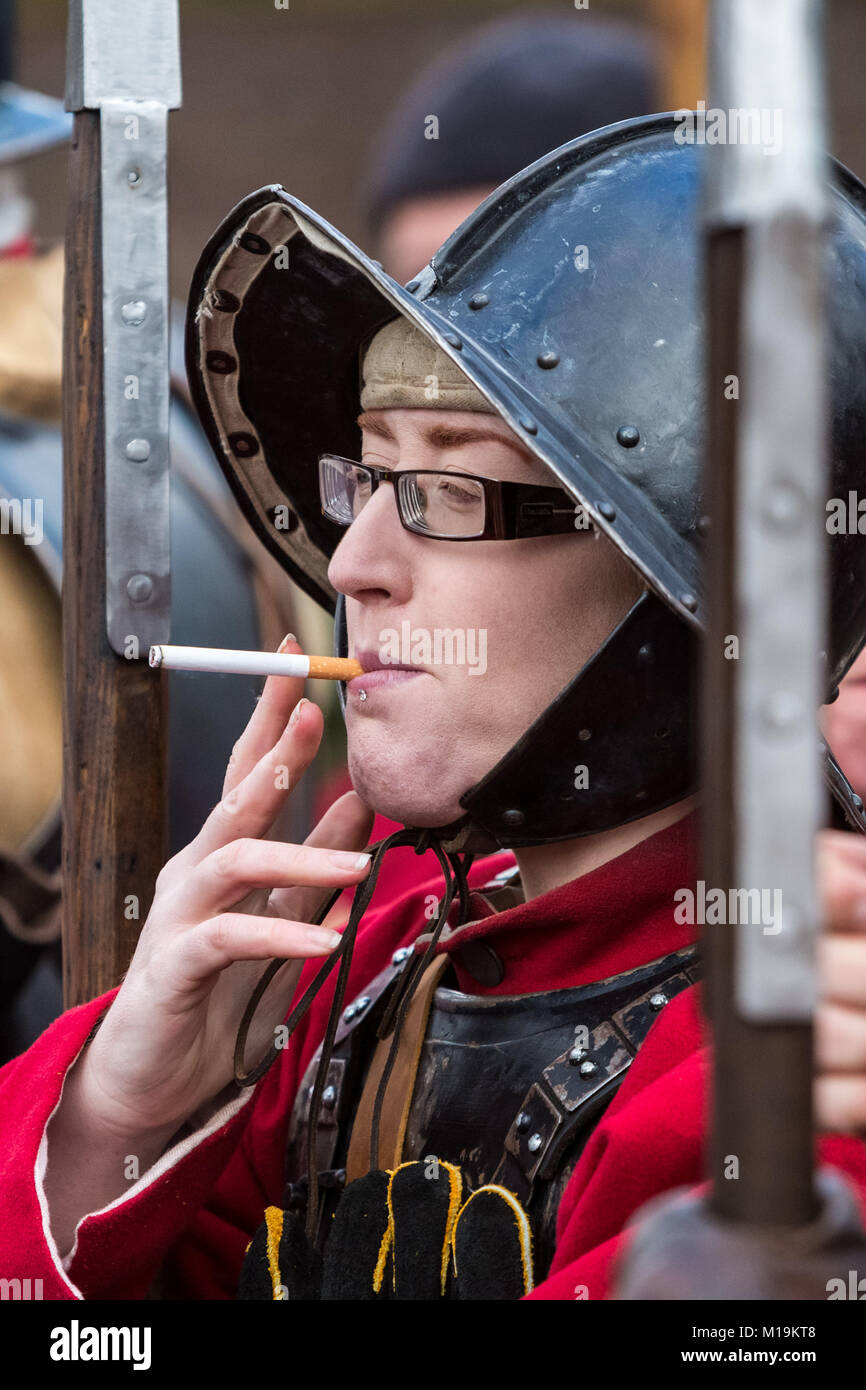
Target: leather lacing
(455, 868)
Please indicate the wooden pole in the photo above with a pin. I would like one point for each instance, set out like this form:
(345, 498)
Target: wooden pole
(114, 725)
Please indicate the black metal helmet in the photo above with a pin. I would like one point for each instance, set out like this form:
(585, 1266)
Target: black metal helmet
(572, 299)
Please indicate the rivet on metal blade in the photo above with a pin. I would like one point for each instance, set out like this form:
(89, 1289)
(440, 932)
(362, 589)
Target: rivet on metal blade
(783, 710)
(139, 588)
(134, 312)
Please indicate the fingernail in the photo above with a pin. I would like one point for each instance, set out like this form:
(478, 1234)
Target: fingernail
(297, 710)
(344, 859)
(289, 637)
(321, 936)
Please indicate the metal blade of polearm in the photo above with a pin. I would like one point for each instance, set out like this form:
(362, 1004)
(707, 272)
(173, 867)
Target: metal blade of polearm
(765, 213)
(124, 62)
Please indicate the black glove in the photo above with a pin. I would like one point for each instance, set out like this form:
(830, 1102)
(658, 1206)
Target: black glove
(405, 1234)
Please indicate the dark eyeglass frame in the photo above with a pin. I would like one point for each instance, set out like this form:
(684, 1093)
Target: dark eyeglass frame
(512, 511)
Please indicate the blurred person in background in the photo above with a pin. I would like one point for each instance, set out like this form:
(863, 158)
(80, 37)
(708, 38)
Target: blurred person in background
(845, 730)
(249, 601)
(488, 106)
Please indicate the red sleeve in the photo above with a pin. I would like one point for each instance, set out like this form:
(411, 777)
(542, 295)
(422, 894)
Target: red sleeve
(116, 1253)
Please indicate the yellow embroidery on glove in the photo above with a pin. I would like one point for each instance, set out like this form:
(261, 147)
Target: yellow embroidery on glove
(387, 1241)
(455, 1179)
(274, 1223)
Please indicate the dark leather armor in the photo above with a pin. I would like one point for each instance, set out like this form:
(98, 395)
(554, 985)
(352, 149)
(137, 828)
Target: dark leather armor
(509, 1087)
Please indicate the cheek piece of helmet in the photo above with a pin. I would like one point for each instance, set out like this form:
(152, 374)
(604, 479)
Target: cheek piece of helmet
(571, 301)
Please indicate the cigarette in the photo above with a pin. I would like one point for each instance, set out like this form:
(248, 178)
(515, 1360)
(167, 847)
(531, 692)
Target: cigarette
(327, 668)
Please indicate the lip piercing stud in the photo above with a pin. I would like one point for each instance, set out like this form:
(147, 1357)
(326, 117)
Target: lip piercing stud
(362, 694)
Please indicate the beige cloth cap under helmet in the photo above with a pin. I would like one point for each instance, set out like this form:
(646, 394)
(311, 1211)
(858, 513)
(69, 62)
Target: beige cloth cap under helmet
(402, 367)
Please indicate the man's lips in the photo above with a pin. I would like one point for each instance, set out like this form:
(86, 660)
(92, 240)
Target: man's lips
(379, 674)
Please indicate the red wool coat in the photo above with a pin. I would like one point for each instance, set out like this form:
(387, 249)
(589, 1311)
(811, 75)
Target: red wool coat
(197, 1208)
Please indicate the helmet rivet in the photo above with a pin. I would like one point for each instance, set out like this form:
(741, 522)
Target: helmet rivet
(628, 436)
(527, 423)
(453, 340)
(588, 1068)
(658, 1001)
(523, 1121)
(689, 601)
(513, 817)
(534, 1143)
(584, 734)
(479, 301)
(858, 801)
(645, 653)
(412, 286)
(607, 510)
(548, 360)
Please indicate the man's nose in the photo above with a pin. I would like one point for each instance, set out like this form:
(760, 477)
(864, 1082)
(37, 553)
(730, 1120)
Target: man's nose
(371, 553)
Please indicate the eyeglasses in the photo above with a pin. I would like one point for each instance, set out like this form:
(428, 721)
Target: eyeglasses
(451, 506)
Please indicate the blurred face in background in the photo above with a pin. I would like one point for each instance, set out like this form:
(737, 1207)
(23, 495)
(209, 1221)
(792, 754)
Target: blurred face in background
(845, 725)
(414, 229)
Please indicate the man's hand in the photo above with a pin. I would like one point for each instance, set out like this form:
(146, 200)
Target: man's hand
(840, 1020)
(224, 906)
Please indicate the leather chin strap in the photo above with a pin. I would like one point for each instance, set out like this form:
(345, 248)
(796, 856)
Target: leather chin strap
(454, 870)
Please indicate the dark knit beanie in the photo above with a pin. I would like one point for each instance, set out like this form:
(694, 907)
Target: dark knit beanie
(514, 90)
